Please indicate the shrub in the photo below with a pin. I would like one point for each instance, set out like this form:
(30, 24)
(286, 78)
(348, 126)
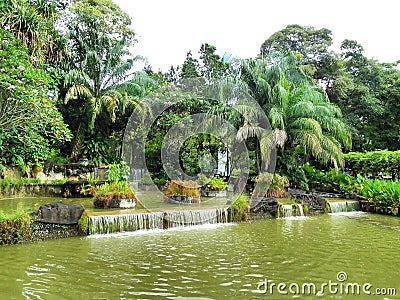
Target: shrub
(187, 188)
(117, 172)
(14, 228)
(212, 184)
(332, 181)
(374, 163)
(239, 211)
(83, 223)
(382, 193)
(110, 194)
(271, 185)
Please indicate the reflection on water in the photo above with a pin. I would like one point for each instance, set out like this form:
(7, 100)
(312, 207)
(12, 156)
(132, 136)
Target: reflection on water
(206, 262)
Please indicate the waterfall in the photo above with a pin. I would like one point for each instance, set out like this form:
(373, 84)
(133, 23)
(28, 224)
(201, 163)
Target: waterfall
(344, 206)
(292, 210)
(157, 220)
(300, 209)
(286, 211)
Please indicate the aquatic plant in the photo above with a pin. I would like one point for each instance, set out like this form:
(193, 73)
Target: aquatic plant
(239, 211)
(185, 188)
(14, 228)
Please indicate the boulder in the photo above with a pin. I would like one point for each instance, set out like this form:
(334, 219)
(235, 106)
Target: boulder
(60, 213)
(264, 206)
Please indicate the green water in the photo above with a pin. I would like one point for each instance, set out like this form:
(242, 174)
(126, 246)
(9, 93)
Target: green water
(211, 262)
(151, 200)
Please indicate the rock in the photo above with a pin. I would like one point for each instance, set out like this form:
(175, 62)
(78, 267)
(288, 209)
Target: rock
(263, 206)
(60, 213)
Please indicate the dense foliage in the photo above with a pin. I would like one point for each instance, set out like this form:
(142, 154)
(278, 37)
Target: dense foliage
(186, 188)
(30, 125)
(14, 228)
(239, 211)
(382, 193)
(374, 163)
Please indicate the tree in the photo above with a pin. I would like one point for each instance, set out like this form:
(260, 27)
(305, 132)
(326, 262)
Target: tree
(311, 43)
(33, 22)
(303, 119)
(213, 66)
(30, 125)
(190, 67)
(99, 37)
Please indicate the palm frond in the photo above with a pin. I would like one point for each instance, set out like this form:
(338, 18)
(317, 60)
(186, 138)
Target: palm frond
(78, 91)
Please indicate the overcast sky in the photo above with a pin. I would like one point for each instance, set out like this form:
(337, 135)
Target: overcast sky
(167, 29)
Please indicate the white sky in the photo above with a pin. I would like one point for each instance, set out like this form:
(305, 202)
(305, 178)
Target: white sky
(167, 29)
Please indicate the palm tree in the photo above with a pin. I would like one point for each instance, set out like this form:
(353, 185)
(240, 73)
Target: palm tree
(97, 80)
(299, 111)
(33, 22)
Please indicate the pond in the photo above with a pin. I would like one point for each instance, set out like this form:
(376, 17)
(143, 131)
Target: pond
(151, 200)
(236, 261)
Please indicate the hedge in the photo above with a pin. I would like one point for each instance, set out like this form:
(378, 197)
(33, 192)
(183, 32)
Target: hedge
(374, 163)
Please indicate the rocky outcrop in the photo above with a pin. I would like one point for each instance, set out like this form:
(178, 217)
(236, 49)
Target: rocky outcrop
(264, 206)
(60, 213)
(315, 202)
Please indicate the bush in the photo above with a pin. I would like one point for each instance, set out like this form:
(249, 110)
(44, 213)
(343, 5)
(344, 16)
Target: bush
(83, 223)
(14, 228)
(374, 163)
(239, 211)
(271, 185)
(331, 181)
(186, 188)
(7, 183)
(381, 193)
(212, 184)
(117, 172)
(109, 195)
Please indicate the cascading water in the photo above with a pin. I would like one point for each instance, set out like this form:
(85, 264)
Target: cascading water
(300, 209)
(344, 206)
(286, 211)
(156, 220)
(292, 210)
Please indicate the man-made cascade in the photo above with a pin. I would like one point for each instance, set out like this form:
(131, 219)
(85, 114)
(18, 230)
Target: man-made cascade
(156, 220)
(288, 210)
(300, 209)
(344, 206)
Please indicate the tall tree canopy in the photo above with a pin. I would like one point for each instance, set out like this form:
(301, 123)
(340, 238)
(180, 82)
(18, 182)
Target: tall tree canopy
(98, 37)
(33, 22)
(299, 111)
(30, 125)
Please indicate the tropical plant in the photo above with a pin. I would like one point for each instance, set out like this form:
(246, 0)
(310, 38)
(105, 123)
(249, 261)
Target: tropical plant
(30, 124)
(381, 193)
(98, 63)
(239, 211)
(299, 111)
(117, 172)
(214, 183)
(332, 181)
(271, 185)
(33, 22)
(186, 188)
(109, 195)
